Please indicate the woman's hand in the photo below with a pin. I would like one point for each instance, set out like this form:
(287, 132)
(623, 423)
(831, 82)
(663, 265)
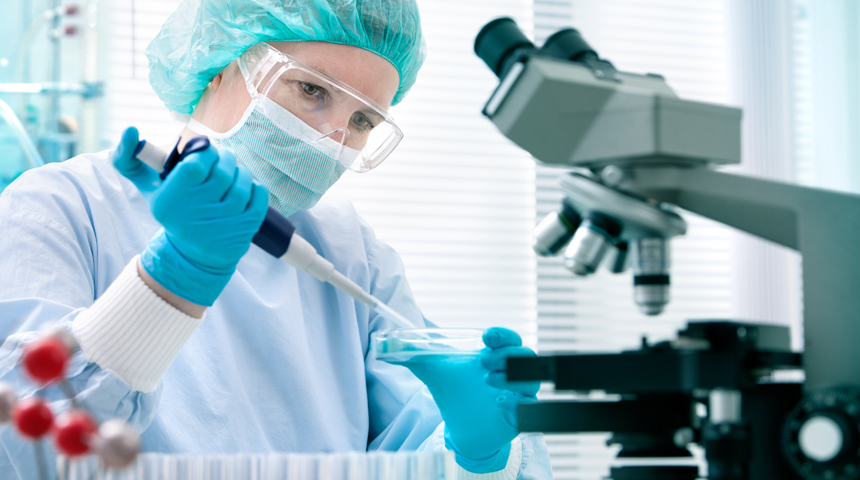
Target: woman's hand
(477, 404)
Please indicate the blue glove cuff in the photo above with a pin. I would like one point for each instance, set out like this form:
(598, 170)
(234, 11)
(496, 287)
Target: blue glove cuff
(163, 262)
(491, 464)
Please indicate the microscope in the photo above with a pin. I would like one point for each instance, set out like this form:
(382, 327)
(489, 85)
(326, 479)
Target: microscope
(634, 156)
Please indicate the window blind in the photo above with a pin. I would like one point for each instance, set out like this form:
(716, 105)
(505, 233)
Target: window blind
(131, 100)
(829, 79)
(686, 43)
(802, 72)
(456, 199)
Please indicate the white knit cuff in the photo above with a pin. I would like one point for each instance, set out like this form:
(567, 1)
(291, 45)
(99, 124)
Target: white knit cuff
(132, 332)
(510, 472)
(436, 441)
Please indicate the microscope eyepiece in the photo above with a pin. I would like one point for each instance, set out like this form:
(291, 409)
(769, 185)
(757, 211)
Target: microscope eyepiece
(498, 43)
(567, 44)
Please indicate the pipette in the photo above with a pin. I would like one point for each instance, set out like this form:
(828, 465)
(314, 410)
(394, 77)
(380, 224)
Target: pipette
(277, 234)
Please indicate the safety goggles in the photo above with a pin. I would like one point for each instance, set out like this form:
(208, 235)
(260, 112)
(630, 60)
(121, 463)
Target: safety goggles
(335, 110)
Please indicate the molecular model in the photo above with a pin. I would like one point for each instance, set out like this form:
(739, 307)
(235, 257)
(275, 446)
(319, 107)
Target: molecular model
(75, 432)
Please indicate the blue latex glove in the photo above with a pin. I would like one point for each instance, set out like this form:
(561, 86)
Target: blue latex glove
(477, 404)
(210, 210)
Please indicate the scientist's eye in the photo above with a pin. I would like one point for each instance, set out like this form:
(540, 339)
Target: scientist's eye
(362, 122)
(313, 90)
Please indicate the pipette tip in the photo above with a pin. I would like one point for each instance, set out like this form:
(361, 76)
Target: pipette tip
(390, 314)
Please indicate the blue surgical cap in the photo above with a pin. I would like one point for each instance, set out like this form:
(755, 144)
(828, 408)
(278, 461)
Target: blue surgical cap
(204, 36)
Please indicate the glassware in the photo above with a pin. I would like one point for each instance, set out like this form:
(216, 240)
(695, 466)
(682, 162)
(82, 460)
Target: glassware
(373, 465)
(402, 345)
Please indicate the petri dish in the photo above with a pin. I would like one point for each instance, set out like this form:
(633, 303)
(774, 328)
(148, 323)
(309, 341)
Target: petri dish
(401, 345)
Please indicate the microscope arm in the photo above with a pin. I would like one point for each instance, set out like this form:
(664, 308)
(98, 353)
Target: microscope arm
(767, 209)
(824, 226)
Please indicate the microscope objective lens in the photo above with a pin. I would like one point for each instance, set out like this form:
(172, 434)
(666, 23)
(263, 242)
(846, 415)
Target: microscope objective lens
(651, 274)
(589, 244)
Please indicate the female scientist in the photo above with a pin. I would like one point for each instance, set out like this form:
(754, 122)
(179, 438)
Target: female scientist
(205, 343)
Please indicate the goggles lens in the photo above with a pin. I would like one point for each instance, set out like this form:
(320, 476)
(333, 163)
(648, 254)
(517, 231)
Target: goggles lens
(333, 109)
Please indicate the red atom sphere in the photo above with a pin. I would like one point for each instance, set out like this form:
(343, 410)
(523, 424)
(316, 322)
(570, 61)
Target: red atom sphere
(32, 417)
(45, 359)
(72, 432)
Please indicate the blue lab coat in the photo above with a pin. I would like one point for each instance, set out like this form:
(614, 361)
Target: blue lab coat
(280, 363)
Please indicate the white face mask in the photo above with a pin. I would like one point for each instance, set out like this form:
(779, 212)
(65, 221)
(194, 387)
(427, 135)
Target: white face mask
(284, 154)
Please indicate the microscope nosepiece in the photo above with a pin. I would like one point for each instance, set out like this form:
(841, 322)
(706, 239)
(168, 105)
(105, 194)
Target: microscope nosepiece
(651, 282)
(589, 244)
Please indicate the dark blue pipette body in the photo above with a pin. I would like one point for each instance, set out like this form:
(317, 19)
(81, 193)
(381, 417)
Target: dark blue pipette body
(276, 231)
(276, 235)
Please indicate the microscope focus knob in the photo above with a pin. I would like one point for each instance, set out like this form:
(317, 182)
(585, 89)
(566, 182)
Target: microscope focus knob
(821, 436)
